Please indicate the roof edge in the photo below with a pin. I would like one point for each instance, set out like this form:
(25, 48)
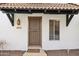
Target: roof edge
(74, 4)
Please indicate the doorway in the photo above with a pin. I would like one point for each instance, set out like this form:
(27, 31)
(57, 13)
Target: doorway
(35, 31)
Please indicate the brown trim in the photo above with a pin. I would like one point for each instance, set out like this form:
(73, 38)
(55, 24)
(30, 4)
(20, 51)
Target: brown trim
(40, 28)
(63, 52)
(12, 52)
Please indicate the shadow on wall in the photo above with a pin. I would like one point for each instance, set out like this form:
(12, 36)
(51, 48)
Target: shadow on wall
(3, 44)
(73, 33)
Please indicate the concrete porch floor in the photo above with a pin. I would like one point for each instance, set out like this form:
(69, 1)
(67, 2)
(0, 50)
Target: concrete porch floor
(41, 53)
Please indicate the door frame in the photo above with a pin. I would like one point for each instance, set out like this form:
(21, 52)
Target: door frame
(40, 29)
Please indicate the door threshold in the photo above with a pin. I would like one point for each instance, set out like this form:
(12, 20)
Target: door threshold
(34, 47)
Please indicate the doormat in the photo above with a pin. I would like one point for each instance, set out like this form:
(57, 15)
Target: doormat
(34, 50)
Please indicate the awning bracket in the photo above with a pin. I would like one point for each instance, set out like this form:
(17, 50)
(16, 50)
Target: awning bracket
(11, 18)
(68, 19)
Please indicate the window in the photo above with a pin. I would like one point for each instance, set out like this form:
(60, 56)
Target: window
(54, 29)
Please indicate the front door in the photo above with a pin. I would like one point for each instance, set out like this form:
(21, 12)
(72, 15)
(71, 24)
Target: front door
(34, 30)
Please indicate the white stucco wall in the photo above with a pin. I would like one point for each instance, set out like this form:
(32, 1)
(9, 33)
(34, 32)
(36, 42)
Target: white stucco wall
(17, 39)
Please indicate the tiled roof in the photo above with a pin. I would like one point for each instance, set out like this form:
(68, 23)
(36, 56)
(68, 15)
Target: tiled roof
(51, 6)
